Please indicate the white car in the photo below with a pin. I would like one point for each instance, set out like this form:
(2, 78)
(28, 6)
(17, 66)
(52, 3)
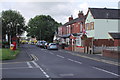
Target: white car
(52, 46)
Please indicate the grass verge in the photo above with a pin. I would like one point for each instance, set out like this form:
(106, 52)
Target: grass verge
(7, 54)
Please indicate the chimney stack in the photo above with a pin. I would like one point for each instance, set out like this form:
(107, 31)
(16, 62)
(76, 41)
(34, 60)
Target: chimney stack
(71, 18)
(80, 14)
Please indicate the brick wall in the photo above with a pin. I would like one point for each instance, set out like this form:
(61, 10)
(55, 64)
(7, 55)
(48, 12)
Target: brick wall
(79, 49)
(111, 54)
(76, 28)
(64, 30)
(68, 48)
(104, 42)
(117, 42)
(100, 42)
(88, 42)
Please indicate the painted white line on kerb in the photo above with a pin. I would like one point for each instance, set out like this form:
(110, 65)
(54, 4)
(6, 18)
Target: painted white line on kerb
(60, 56)
(41, 69)
(29, 65)
(106, 71)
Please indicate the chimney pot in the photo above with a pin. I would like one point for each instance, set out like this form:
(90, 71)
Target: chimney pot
(71, 18)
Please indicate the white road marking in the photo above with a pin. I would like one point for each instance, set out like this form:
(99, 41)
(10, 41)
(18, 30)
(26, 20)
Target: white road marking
(51, 53)
(60, 56)
(78, 62)
(100, 60)
(29, 65)
(18, 68)
(41, 69)
(14, 62)
(106, 71)
(74, 61)
(43, 49)
(69, 74)
(70, 59)
(34, 57)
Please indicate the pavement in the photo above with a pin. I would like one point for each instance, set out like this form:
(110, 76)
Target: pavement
(23, 56)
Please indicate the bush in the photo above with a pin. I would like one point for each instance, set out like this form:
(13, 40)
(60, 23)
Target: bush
(5, 44)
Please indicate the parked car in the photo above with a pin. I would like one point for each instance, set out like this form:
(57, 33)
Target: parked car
(52, 46)
(42, 43)
(46, 45)
(37, 44)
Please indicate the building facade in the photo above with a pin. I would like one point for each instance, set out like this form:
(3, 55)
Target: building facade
(71, 33)
(99, 22)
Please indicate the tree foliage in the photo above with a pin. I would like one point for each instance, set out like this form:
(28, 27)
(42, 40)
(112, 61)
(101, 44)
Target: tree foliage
(42, 27)
(12, 23)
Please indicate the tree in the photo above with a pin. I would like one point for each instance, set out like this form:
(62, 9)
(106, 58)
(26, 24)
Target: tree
(42, 27)
(13, 23)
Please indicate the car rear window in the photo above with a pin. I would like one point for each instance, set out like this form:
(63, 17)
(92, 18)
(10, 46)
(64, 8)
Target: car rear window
(53, 44)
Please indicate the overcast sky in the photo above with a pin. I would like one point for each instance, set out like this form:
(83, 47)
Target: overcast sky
(60, 10)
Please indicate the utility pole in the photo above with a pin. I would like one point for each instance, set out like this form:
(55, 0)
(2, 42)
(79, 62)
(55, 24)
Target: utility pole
(40, 34)
(17, 35)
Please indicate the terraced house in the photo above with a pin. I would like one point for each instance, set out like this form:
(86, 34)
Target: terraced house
(95, 29)
(71, 33)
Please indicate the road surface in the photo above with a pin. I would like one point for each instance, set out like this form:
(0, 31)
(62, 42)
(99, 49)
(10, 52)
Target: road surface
(56, 64)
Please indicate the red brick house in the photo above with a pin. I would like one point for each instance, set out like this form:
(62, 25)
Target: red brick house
(72, 32)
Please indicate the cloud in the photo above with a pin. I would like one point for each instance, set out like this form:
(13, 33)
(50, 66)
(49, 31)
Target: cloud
(84, 7)
(60, 10)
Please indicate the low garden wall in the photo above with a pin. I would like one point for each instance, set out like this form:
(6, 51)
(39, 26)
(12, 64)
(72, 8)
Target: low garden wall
(111, 54)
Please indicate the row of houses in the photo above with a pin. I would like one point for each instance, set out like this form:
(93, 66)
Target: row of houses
(98, 28)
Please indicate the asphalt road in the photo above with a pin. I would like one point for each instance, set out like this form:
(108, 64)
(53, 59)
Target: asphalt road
(56, 64)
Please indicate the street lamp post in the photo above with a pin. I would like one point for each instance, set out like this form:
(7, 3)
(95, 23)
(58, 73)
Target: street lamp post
(16, 35)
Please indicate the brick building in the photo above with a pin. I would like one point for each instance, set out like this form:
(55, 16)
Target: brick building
(71, 32)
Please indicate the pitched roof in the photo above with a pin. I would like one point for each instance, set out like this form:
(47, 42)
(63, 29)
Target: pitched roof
(74, 20)
(115, 35)
(105, 13)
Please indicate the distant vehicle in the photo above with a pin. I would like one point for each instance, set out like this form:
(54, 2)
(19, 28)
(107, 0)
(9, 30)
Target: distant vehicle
(30, 42)
(37, 44)
(46, 45)
(24, 41)
(41, 44)
(52, 46)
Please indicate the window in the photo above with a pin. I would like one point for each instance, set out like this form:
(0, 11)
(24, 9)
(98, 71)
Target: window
(89, 26)
(92, 25)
